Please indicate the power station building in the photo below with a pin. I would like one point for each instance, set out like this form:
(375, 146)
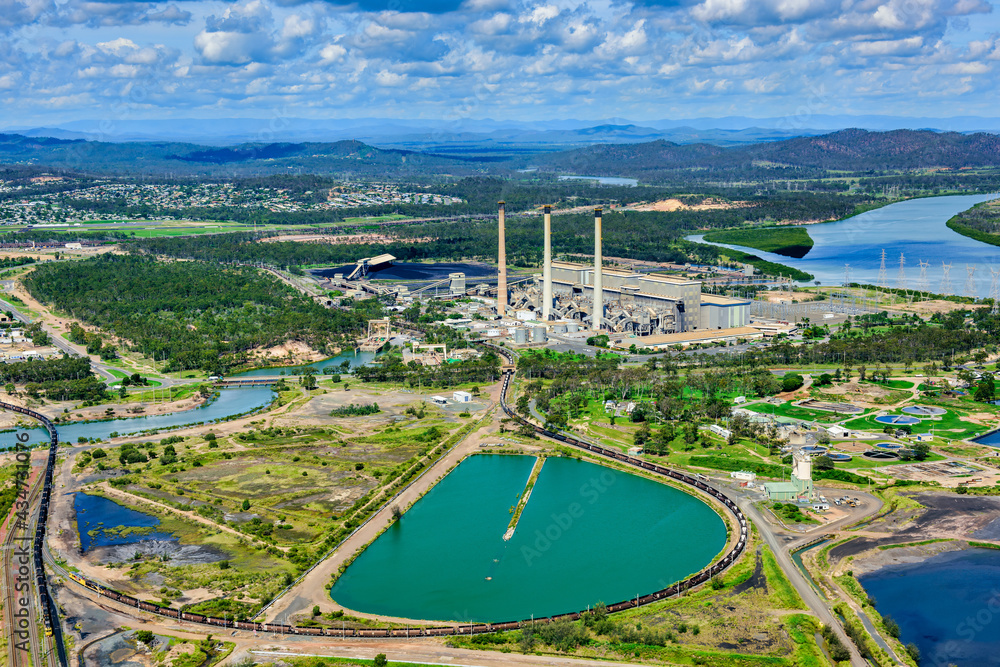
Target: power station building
(613, 300)
(656, 303)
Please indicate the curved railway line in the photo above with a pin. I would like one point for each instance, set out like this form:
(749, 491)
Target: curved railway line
(738, 545)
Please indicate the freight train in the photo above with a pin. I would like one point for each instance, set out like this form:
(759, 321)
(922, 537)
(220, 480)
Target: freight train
(468, 629)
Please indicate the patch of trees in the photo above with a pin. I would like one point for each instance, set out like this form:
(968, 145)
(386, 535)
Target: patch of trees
(192, 314)
(353, 410)
(45, 370)
(484, 369)
(88, 389)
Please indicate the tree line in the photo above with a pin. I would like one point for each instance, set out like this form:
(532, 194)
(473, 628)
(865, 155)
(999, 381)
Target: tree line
(193, 315)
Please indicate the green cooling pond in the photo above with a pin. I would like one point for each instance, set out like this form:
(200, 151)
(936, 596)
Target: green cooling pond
(588, 534)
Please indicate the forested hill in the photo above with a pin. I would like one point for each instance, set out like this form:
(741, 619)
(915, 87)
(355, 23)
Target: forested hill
(850, 150)
(344, 158)
(193, 314)
(858, 151)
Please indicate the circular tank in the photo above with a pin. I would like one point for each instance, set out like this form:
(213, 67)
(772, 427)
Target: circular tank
(558, 328)
(839, 457)
(897, 420)
(572, 327)
(520, 336)
(538, 334)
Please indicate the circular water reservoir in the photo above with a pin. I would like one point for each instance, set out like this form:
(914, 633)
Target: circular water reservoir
(924, 411)
(840, 458)
(889, 445)
(815, 450)
(880, 455)
(897, 420)
(588, 534)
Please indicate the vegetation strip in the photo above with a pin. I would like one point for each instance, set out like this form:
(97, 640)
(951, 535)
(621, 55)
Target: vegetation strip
(786, 240)
(536, 470)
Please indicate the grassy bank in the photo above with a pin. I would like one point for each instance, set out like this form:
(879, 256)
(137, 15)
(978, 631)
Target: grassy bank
(973, 233)
(787, 241)
(762, 265)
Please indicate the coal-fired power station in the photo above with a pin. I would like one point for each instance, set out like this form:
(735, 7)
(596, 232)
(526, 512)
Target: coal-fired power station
(611, 300)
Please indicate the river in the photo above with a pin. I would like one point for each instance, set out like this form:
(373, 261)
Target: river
(230, 402)
(914, 228)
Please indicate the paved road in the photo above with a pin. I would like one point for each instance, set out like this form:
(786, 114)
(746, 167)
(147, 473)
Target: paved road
(782, 544)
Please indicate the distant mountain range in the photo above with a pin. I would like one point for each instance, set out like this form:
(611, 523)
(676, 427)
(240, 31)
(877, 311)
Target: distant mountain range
(487, 135)
(852, 150)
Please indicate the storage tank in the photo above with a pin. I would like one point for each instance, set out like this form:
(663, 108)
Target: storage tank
(538, 335)
(559, 328)
(520, 336)
(572, 327)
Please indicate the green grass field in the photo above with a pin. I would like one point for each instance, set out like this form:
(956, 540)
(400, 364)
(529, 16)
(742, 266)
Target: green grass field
(948, 426)
(787, 241)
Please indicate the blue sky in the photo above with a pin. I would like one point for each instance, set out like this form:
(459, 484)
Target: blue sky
(502, 59)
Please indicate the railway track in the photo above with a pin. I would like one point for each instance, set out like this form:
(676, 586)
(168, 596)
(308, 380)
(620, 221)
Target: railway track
(21, 606)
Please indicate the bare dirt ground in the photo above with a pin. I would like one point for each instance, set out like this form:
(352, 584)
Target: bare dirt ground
(289, 353)
(678, 205)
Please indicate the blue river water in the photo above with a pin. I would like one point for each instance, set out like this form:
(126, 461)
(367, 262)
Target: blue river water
(230, 402)
(353, 359)
(915, 228)
(948, 605)
(96, 513)
(603, 180)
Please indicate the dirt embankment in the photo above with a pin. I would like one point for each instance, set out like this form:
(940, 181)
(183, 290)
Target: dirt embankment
(677, 205)
(954, 518)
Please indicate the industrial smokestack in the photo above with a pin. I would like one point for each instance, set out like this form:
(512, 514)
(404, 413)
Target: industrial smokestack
(502, 265)
(547, 267)
(598, 315)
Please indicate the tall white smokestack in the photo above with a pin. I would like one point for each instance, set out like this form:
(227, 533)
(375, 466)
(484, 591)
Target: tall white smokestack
(502, 262)
(598, 314)
(547, 267)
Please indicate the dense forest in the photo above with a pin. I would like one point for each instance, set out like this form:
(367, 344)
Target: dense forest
(655, 236)
(192, 315)
(45, 370)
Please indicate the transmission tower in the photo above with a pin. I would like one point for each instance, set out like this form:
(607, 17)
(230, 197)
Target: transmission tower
(994, 289)
(901, 276)
(883, 281)
(922, 284)
(945, 279)
(970, 281)
(847, 275)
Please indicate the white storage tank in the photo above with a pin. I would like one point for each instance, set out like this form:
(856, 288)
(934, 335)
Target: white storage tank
(558, 328)
(538, 335)
(572, 327)
(520, 336)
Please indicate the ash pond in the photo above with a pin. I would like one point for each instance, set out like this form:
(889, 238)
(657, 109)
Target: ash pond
(102, 523)
(948, 605)
(588, 534)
